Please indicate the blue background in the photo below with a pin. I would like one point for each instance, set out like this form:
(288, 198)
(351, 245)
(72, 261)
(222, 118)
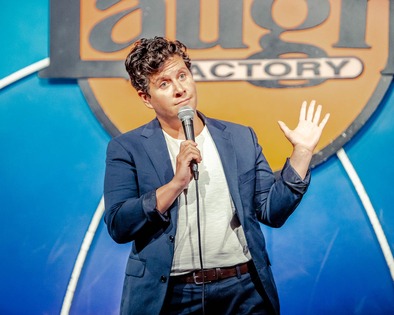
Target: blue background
(326, 259)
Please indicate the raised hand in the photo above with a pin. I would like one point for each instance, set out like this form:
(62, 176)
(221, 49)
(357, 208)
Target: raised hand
(305, 136)
(308, 131)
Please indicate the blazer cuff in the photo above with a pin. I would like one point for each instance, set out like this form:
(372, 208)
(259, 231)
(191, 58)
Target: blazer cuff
(149, 207)
(293, 180)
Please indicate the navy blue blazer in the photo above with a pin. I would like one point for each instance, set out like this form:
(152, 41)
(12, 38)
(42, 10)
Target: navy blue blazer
(138, 163)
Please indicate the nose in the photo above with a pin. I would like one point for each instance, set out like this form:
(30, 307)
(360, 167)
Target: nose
(178, 89)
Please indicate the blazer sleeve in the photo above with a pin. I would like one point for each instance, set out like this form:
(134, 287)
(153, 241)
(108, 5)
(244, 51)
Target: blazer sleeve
(276, 198)
(128, 213)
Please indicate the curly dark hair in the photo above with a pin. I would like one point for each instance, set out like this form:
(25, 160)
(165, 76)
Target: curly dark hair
(147, 57)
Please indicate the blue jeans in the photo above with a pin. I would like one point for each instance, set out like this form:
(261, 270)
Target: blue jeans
(242, 294)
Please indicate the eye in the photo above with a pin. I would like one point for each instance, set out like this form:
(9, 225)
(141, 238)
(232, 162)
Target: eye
(163, 84)
(182, 76)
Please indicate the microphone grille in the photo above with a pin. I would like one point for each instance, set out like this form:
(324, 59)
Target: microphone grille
(185, 112)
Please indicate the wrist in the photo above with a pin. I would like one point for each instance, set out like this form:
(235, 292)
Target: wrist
(300, 160)
(166, 195)
(302, 151)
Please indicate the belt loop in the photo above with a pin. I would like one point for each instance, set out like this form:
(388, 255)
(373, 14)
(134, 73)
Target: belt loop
(238, 271)
(218, 274)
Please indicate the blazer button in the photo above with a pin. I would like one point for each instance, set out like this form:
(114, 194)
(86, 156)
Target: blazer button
(172, 238)
(163, 279)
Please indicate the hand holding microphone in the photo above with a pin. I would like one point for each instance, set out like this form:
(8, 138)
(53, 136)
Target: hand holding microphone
(185, 115)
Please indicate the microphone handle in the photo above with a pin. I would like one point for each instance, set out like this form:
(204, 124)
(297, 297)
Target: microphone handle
(188, 129)
(189, 134)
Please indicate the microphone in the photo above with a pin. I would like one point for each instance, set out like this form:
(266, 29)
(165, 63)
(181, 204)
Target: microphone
(185, 115)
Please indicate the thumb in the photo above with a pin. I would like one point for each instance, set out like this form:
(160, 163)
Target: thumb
(283, 127)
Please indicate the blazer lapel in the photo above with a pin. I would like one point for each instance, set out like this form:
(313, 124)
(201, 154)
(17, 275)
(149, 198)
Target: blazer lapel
(156, 148)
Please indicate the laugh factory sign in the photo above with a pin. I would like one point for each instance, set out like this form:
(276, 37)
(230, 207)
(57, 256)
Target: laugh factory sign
(254, 61)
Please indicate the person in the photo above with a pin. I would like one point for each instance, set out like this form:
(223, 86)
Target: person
(214, 262)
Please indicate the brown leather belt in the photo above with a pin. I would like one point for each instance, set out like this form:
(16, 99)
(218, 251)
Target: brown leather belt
(211, 275)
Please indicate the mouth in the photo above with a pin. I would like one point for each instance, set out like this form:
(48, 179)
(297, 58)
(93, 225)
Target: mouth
(183, 102)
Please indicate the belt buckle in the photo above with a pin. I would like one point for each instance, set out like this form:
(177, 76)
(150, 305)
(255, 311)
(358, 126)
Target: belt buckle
(195, 276)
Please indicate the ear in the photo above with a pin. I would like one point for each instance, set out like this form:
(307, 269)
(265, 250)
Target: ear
(145, 98)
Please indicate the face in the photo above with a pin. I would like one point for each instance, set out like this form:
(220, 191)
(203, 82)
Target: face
(170, 89)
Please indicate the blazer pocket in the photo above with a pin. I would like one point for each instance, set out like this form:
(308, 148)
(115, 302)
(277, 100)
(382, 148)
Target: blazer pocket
(135, 268)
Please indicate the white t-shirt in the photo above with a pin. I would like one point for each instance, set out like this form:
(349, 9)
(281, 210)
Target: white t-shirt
(223, 239)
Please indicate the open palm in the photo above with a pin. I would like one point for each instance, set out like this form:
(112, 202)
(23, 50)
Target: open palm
(308, 131)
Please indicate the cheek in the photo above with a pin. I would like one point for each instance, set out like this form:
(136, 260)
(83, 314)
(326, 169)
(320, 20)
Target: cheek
(162, 101)
(193, 90)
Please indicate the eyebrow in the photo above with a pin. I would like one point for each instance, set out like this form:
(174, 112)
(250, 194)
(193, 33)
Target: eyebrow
(163, 77)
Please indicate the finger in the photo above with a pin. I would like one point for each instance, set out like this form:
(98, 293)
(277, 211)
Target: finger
(311, 109)
(303, 110)
(283, 127)
(316, 118)
(192, 153)
(189, 147)
(324, 121)
(188, 142)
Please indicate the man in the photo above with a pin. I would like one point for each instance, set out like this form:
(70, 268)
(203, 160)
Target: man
(151, 197)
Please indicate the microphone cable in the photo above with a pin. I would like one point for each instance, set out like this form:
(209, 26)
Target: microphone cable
(200, 248)
(185, 115)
